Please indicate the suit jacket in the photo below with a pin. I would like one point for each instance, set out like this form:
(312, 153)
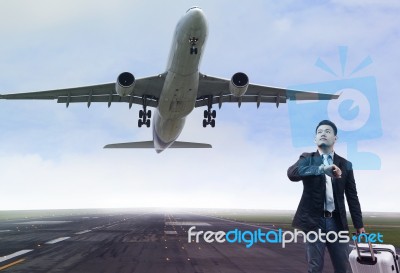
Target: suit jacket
(312, 201)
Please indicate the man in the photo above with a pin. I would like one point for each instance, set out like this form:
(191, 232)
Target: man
(326, 177)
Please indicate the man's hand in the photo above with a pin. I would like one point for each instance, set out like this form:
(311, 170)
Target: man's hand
(360, 230)
(333, 171)
(337, 172)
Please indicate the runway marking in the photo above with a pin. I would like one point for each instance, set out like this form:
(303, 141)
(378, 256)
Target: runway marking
(57, 240)
(114, 224)
(7, 230)
(83, 232)
(16, 254)
(170, 232)
(43, 223)
(12, 264)
(187, 223)
(245, 224)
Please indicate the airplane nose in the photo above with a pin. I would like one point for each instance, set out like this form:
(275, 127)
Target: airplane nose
(196, 14)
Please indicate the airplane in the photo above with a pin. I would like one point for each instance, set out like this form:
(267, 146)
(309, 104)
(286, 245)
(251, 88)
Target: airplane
(176, 92)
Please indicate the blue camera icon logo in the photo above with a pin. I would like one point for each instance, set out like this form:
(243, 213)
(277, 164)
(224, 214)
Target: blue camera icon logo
(355, 113)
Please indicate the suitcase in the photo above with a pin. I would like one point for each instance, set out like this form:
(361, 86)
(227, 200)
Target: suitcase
(373, 258)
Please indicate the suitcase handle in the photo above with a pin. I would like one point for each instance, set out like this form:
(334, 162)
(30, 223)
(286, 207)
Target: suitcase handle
(371, 251)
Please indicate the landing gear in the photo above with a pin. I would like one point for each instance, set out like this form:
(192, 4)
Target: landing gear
(212, 123)
(209, 121)
(209, 116)
(193, 43)
(144, 115)
(214, 114)
(193, 50)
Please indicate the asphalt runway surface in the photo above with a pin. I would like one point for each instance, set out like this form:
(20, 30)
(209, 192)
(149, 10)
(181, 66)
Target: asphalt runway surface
(138, 241)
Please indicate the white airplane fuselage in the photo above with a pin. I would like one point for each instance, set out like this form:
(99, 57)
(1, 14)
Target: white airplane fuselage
(180, 88)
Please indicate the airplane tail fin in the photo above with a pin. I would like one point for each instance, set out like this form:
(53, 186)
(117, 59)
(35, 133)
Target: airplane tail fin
(150, 144)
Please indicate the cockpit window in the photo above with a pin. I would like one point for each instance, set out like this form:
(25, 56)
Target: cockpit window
(192, 8)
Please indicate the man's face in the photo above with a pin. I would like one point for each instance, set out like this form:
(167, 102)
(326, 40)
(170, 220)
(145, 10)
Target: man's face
(325, 136)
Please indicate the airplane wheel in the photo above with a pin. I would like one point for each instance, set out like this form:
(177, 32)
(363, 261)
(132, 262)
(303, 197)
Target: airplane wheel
(204, 123)
(140, 123)
(213, 123)
(195, 51)
(149, 113)
(205, 114)
(141, 113)
(214, 113)
(191, 51)
(148, 123)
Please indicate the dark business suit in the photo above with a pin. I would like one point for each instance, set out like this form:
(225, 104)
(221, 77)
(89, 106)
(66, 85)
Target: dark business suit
(311, 205)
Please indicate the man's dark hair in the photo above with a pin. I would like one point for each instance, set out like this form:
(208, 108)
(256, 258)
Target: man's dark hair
(327, 122)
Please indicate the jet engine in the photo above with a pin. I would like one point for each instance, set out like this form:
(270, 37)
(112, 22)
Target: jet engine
(239, 83)
(125, 84)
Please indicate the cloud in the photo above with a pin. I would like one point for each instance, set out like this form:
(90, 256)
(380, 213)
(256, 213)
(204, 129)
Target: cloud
(368, 3)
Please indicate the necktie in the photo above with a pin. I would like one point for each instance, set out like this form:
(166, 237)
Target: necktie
(329, 202)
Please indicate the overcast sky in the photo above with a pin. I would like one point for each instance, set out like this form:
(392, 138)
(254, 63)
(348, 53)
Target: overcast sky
(52, 157)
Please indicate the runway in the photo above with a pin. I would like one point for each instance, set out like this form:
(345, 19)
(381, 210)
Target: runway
(138, 241)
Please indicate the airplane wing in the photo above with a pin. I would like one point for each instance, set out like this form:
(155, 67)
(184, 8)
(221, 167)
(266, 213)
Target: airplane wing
(148, 89)
(150, 144)
(216, 91)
